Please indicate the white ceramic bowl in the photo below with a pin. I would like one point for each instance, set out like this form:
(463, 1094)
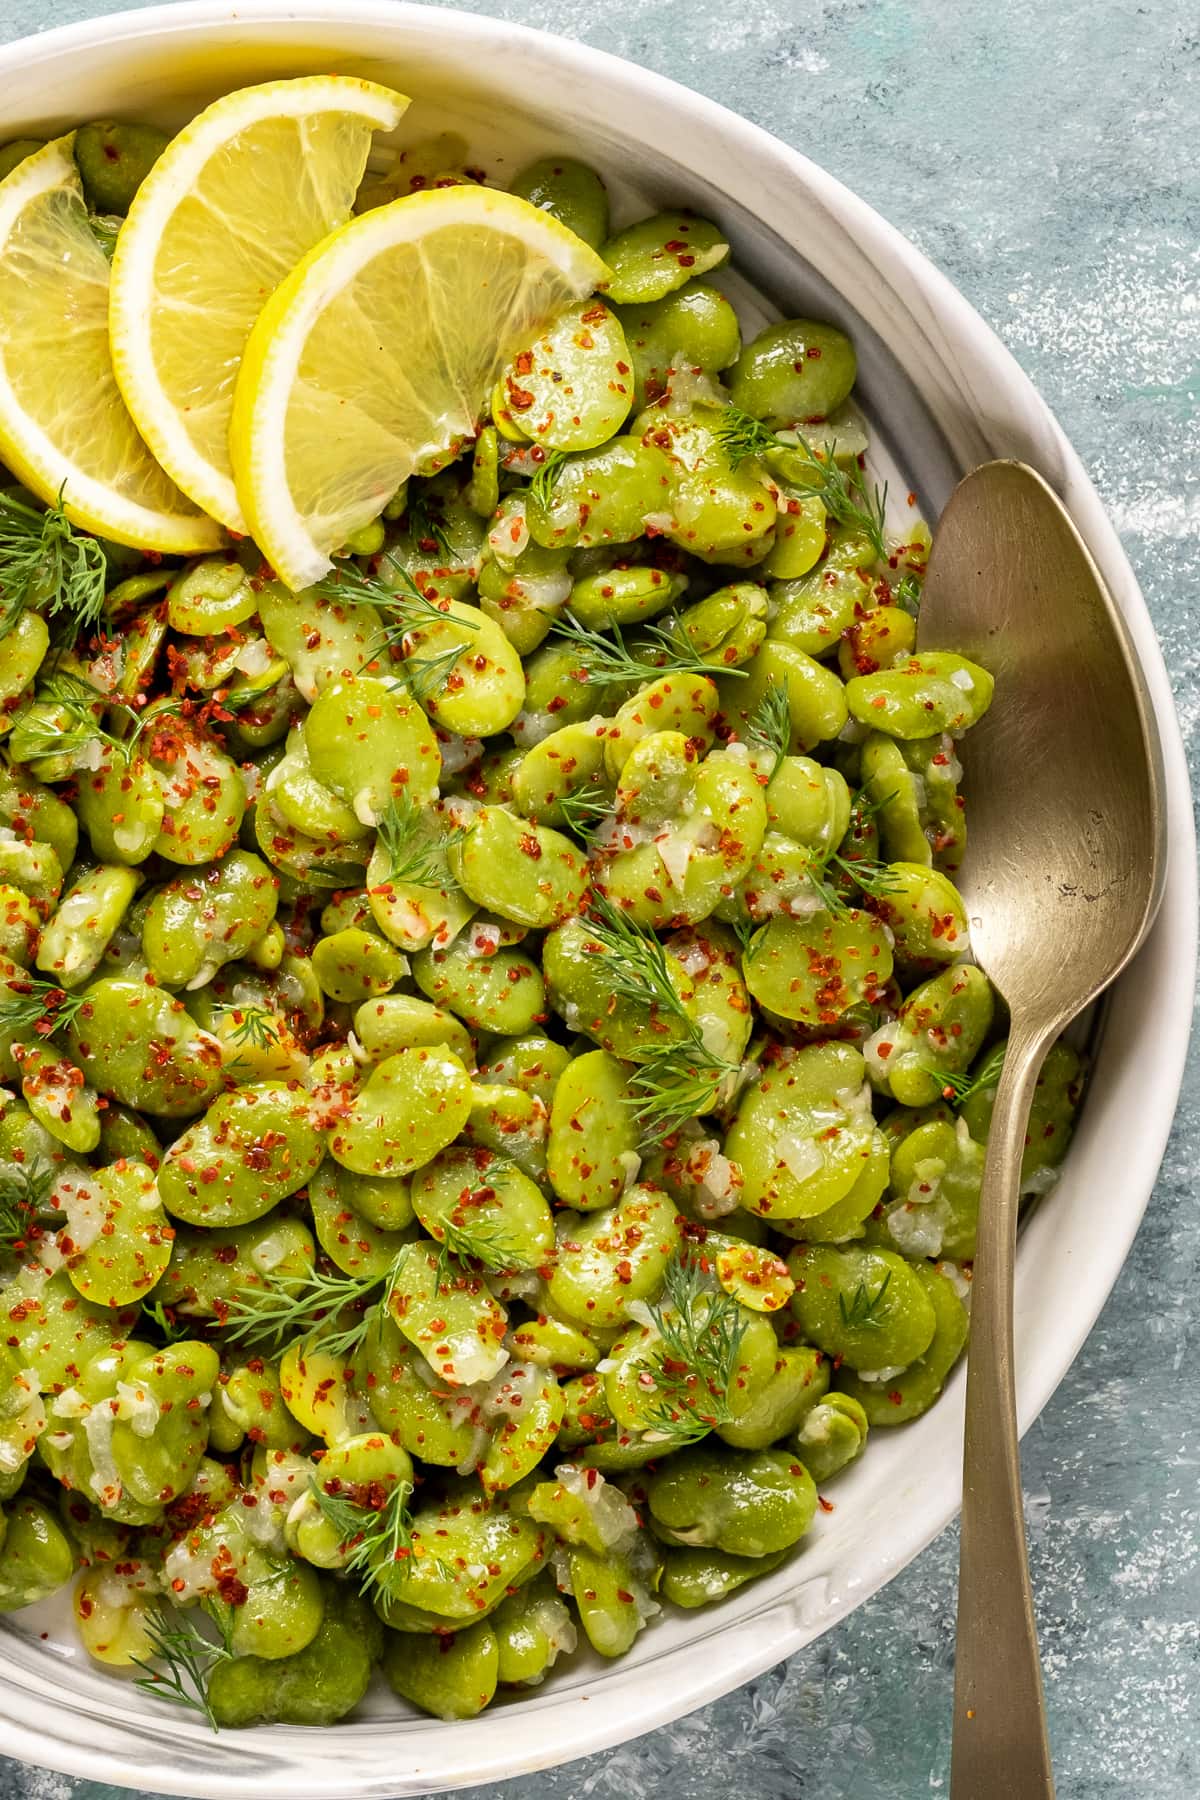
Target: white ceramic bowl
(944, 395)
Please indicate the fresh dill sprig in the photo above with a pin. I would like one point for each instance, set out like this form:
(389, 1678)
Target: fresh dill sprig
(683, 1077)
(586, 809)
(189, 1657)
(372, 1537)
(681, 1081)
(425, 676)
(865, 808)
(222, 1615)
(743, 930)
(541, 487)
(25, 1191)
(700, 1329)
(377, 1537)
(486, 1245)
(289, 1307)
(609, 661)
(907, 595)
(406, 610)
(47, 564)
(770, 724)
(414, 855)
(639, 968)
(405, 605)
(348, 585)
(842, 492)
(173, 1331)
(424, 528)
(743, 436)
(42, 1007)
(864, 1305)
(957, 1085)
(83, 705)
(875, 879)
(255, 1025)
(959, 1088)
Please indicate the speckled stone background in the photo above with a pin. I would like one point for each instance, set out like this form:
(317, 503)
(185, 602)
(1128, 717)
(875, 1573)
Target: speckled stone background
(1043, 155)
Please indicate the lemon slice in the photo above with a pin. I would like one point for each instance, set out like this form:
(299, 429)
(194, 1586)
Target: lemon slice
(379, 350)
(230, 206)
(63, 423)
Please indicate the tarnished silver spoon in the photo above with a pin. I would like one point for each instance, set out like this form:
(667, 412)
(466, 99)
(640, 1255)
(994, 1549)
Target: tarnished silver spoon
(1062, 878)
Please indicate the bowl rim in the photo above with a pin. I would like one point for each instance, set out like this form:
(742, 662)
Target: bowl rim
(506, 1743)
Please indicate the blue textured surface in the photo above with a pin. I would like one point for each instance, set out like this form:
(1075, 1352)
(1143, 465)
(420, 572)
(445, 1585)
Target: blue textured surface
(1042, 156)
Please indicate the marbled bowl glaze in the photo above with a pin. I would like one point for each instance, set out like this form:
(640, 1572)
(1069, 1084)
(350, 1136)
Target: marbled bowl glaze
(943, 395)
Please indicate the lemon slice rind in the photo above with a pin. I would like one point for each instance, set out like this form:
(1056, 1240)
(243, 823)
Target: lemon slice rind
(170, 308)
(53, 308)
(288, 334)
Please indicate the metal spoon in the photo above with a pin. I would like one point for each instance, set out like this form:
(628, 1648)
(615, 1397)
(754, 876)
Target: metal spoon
(1062, 880)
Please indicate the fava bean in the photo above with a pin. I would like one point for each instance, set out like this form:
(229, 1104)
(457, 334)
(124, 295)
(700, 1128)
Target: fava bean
(696, 324)
(533, 1629)
(502, 994)
(451, 1677)
(593, 1147)
(936, 692)
(720, 511)
(317, 1685)
(411, 1106)
(211, 596)
(813, 610)
(613, 1604)
(1051, 1117)
(612, 1256)
(657, 255)
(527, 873)
(699, 1577)
(907, 1394)
(193, 926)
(367, 742)
(15, 152)
(36, 1558)
(251, 1148)
(940, 1029)
(794, 372)
(746, 1503)
(816, 969)
(816, 698)
(572, 192)
(572, 387)
(88, 914)
(883, 637)
(865, 1307)
(600, 496)
(138, 1045)
(114, 159)
(833, 1435)
(914, 789)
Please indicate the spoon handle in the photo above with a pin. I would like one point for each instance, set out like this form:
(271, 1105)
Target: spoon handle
(1000, 1749)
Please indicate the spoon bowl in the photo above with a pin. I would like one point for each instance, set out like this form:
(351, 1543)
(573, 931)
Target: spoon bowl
(1065, 869)
(1064, 780)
